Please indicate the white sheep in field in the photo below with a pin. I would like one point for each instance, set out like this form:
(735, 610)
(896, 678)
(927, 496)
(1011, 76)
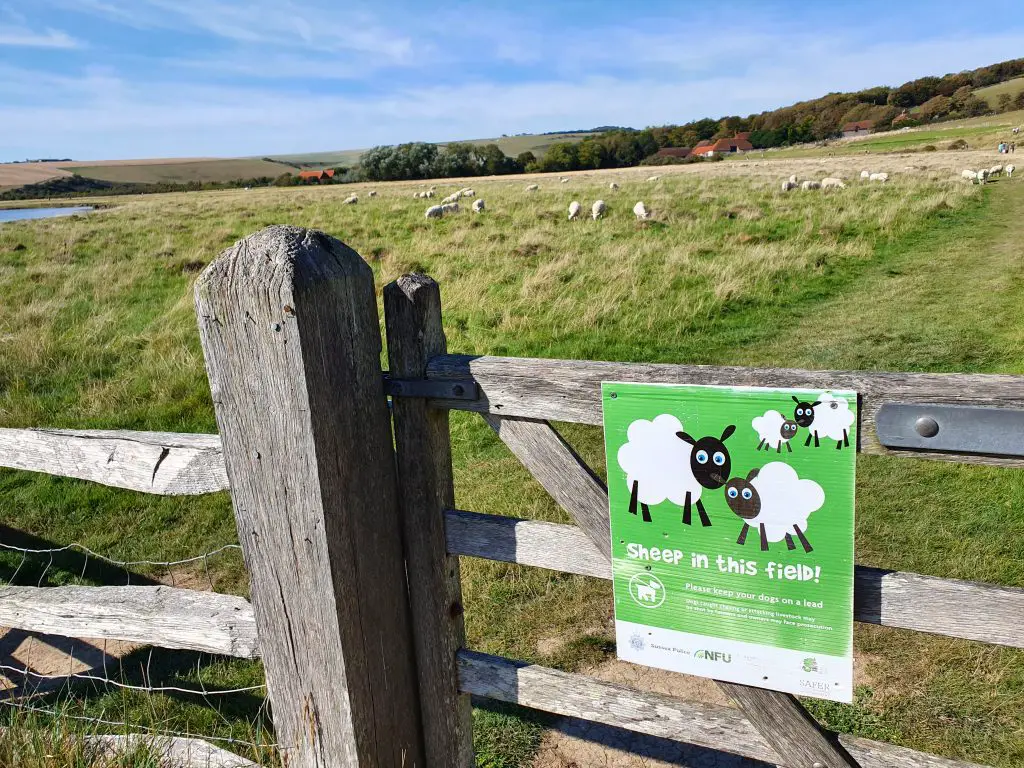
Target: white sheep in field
(597, 209)
(829, 417)
(971, 176)
(865, 175)
(995, 170)
(983, 175)
(467, 192)
(613, 186)
(1009, 170)
(478, 206)
(435, 212)
(563, 180)
(775, 501)
(372, 193)
(789, 185)
(832, 183)
(451, 198)
(775, 430)
(653, 178)
(810, 185)
(351, 200)
(794, 179)
(450, 208)
(641, 212)
(882, 177)
(574, 210)
(533, 187)
(661, 462)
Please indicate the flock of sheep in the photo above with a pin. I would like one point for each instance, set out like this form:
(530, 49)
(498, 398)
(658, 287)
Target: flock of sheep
(829, 182)
(985, 174)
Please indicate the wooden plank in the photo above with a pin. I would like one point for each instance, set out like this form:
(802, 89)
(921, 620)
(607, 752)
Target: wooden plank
(964, 609)
(412, 308)
(289, 326)
(163, 463)
(162, 616)
(712, 726)
(557, 467)
(570, 390)
(173, 751)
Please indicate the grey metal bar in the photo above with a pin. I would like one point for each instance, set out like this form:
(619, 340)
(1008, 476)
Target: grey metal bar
(952, 428)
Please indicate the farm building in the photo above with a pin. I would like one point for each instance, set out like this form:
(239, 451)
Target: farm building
(318, 176)
(859, 128)
(724, 146)
(673, 152)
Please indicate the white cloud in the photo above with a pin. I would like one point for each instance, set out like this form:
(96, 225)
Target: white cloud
(22, 37)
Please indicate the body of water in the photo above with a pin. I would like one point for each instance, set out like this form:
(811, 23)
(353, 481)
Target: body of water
(17, 214)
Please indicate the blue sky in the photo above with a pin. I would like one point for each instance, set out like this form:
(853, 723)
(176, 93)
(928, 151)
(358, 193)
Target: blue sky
(105, 79)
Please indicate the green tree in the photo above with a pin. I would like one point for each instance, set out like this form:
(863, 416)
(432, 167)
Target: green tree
(1004, 102)
(1019, 101)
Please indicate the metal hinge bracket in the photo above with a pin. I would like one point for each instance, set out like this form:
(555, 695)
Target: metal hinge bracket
(951, 428)
(440, 389)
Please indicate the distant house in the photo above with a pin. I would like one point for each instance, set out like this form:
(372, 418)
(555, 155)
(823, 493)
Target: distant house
(673, 152)
(745, 135)
(723, 147)
(317, 176)
(859, 128)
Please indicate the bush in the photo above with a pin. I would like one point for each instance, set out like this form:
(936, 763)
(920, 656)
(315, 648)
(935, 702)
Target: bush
(959, 144)
(929, 148)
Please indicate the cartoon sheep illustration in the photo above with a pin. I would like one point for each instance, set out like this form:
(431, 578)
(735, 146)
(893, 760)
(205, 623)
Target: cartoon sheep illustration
(774, 429)
(662, 461)
(827, 416)
(776, 501)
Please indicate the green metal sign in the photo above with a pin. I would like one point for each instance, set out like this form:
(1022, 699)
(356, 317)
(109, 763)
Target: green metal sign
(732, 515)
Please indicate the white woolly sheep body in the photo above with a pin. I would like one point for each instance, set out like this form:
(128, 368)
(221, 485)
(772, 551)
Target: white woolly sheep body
(832, 420)
(782, 501)
(810, 185)
(597, 209)
(1009, 170)
(372, 193)
(832, 183)
(613, 186)
(467, 192)
(653, 178)
(435, 212)
(478, 206)
(640, 211)
(450, 208)
(794, 179)
(774, 430)
(428, 193)
(882, 177)
(533, 187)
(652, 458)
(789, 185)
(351, 200)
(971, 176)
(995, 170)
(865, 175)
(563, 180)
(574, 210)
(983, 175)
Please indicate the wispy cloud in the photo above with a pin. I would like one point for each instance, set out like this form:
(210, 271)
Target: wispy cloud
(23, 37)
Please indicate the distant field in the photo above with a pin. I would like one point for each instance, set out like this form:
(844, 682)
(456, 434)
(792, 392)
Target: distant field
(991, 93)
(18, 174)
(182, 172)
(343, 157)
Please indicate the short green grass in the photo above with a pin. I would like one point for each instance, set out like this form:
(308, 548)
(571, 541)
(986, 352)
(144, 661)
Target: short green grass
(991, 93)
(912, 275)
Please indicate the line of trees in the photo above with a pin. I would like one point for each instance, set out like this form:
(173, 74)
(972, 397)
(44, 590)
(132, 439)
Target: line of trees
(419, 160)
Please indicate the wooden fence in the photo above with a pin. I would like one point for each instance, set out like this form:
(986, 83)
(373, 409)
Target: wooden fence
(348, 525)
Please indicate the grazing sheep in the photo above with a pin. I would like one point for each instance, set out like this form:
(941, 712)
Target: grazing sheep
(435, 212)
(983, 175)
(563, 180)
(597, 210)
(865, 175)
(533, 188)
(352, 200)
(776, 501)
(788, 185)
(428, 193)
(468, 192)
(574, 210)
(827, 416)
(832, 183)
(641, 212)
(1009, 170)
(662, 461)
(882, 177)
(415, 195)
(774, 429)
(450, 208)
(810, 185)
(372, 193)
(451, 198)
(653, 178)
(794, 179)
(971, 176)
(478, 206)
(995, 170)
(613, 186)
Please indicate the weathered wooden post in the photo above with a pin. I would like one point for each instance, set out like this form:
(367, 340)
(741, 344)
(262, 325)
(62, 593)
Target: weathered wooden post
(412, 309)
(290, 331)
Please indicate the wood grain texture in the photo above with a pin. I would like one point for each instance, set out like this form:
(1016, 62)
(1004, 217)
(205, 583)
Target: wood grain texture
(412, 308)
(163, 463)
(173, 751)
(707, 725)
(162, 616)
(570, 390)
(289, 326)
(964, 609)
(561, 472)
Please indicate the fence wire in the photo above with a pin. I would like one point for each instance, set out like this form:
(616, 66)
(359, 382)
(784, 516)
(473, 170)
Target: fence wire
(176, 694)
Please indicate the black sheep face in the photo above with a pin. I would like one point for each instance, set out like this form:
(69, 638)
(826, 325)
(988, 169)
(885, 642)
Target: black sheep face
(804, 413)
(789, 428)
(742, 497)
(710, 462)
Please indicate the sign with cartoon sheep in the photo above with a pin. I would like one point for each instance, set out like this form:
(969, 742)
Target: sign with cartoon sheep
(732, 512)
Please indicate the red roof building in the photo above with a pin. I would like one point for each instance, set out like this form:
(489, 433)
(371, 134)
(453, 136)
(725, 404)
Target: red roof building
(732, 145)
(326, 173)
(859, 128)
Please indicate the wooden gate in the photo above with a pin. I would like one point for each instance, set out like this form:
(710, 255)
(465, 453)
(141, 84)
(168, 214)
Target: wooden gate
(338, 527)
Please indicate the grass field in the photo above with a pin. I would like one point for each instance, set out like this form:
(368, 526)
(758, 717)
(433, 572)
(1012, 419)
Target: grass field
(183, 172)
(922, 273)
(992, 92)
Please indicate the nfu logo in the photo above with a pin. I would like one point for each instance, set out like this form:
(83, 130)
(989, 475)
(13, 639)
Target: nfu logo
(713, 656)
